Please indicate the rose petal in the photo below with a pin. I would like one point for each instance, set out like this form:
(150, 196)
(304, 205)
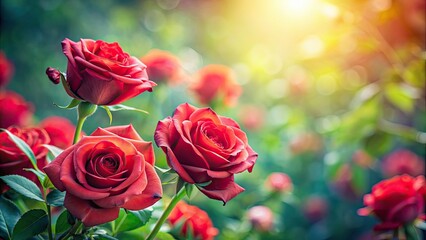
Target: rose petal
(150, 195)
(222, 189)
(87, 212)
(53, 169)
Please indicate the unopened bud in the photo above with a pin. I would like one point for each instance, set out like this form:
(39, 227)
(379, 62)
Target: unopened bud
(53, 74)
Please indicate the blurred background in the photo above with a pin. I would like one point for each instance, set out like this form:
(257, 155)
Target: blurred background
(332, 93)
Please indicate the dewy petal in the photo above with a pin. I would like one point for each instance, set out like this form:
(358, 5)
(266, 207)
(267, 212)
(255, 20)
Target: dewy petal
(222, 189)
(53, 169)
(87, 212)
(150, 195)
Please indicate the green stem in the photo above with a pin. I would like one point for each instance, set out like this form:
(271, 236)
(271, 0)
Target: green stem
(49, 225)
(73, 230)
(80, 122)
(166, 213)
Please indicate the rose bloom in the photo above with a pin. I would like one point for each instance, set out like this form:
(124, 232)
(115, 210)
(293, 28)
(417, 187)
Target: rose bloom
(216, 82)
(6, 70)
(395, 201)
(315, 208)
(403, 162)
(203, 147)
(163, 66)
(101, 73)
(261, 218)
(60, 130)
(279, 182)
(14, 110)
(306, 142)
(13, 160)
(191, 217)
(112, 168)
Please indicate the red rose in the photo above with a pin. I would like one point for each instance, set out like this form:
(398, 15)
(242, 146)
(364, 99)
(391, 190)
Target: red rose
(279, 182)
(60, 130)
(202, 146)
(403, 162)
(112, 168)
(216, 82)
(14, 110)
(315, 208)
(261, 218)
(162, 66)
(6, 70)
(193, 218)
(13, 160)
(395, 201)
(101, 73)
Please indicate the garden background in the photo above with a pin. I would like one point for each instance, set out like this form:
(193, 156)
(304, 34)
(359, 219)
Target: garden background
(331, 89)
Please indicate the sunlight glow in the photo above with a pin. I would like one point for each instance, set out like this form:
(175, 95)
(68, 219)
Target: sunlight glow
(297, 7)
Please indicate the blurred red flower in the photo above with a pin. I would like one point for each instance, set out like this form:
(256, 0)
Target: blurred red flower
(13, 160)
(6, 70)
(315, 208)
(261, 218)
(60, 130)
(14, 110)
(193, 218)
(279, 182)
(252, 117)
(403, 162)
(163, 66)
(395, 201)
(305, 142)
(216, 83)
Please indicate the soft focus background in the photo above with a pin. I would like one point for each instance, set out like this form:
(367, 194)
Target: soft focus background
(332, 91)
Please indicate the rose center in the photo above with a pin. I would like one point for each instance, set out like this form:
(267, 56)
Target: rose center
(110, 164)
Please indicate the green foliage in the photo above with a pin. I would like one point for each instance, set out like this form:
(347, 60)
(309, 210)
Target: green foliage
(23, 186)
(55, 198)
(129, 220)
(9, 216)
(30, 224)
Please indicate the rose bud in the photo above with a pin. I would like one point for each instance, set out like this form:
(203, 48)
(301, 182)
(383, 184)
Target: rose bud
(13, 160)
(191, 218)
(261, 218)
(395, 201)
(205, 148)
(14, 110)
(60, 130)
(53, 74)
(112, 168)
(163, 66)
(403, 162)
(315, 208)
(102, 74)
(216, 83)
(279, 182)
(6, 70)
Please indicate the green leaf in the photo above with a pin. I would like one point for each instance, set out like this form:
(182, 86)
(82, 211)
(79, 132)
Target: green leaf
(56, 198)
(188, 189)
(9, 216)
(104, 237)
(203, 184)
(109, 114)
(23, 146)
(398, 95)
(53, 149)
(164, 236)
(120, 107)
(378, 143)
(40, 175)
(420, 224)
(62, 223)
(132, 219)
(73, 104)
(165, 171)
(179, 184)
(23, 186)
(30, 224)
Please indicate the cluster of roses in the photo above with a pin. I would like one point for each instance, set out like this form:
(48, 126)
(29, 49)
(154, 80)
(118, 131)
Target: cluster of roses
(114, 167)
